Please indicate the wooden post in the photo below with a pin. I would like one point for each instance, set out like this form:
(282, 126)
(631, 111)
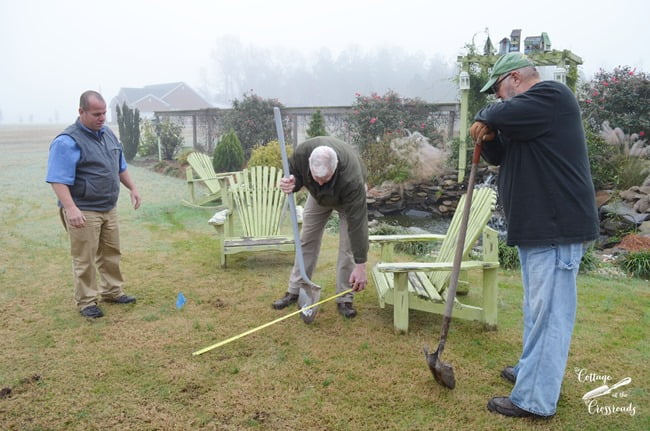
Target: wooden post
(194, 131)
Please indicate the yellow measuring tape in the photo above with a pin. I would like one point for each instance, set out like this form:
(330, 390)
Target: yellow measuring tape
(250, 331)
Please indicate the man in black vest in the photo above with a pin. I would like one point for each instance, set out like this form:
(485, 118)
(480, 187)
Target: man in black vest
(85, 169)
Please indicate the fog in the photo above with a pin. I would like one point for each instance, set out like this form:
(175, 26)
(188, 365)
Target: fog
(323, 78)
(301, 53)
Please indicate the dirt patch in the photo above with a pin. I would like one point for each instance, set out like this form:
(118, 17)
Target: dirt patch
(635, 243)
(170, 168)
(260, 416)
(6, 392)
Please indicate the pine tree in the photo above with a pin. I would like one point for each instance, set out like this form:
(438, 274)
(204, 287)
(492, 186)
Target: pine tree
(229, 154)
(316, 125)
(128, 121)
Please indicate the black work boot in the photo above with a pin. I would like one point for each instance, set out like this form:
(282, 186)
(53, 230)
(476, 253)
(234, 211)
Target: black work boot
(504, 406)
(285, 301)
(346, 309)
(508, 373)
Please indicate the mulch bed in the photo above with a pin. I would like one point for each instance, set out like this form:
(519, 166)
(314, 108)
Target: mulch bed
(635, 243)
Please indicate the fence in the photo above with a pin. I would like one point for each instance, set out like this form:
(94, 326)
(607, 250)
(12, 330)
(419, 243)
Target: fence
(203, 126)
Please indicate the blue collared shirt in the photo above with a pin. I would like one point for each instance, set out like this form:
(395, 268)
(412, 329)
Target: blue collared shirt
(64, 156)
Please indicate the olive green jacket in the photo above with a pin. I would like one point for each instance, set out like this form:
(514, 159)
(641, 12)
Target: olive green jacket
(346, 190)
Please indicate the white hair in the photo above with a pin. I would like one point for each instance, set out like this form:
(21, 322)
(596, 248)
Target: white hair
(323, 161)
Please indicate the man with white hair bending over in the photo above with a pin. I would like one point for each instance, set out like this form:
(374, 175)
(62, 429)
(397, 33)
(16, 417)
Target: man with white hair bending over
(335, 177)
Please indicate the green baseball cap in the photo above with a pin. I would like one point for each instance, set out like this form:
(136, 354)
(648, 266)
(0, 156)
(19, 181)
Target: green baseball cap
(506, 63)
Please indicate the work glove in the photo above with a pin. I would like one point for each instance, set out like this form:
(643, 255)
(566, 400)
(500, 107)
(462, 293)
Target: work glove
(480, 132)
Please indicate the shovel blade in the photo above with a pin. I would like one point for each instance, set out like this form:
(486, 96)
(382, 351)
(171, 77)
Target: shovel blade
(442, 372)
(306, 297)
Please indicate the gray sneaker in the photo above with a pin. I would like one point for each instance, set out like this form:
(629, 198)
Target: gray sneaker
(346, 309)
(92, 312)
(124, 299)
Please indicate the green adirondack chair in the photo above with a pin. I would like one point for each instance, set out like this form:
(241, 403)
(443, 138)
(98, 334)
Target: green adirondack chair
(201, 171)
(258, 205)
(423, 285)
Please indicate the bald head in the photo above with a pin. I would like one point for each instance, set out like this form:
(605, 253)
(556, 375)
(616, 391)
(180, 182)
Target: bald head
(84, 100)
(92, 110)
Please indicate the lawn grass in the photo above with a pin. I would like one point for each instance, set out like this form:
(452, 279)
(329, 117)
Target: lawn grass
(133, 369)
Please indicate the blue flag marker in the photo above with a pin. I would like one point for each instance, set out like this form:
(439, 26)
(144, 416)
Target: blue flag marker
(180, 301)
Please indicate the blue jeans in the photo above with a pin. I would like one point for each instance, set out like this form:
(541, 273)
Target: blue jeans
(550, 299)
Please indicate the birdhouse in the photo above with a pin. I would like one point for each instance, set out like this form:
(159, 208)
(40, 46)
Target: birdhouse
(515, 40)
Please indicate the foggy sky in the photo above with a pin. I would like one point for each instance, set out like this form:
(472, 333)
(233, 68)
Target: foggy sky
(52, 51)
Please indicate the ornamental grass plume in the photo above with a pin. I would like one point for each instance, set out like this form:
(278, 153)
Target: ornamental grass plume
(630, 145)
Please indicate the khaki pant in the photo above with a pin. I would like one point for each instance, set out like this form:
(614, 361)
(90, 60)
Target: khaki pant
(314, 219)
(95, 248)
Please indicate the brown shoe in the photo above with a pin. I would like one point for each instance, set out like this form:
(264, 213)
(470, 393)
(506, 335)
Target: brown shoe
(285, 301)
(504, 406)
(346, 309)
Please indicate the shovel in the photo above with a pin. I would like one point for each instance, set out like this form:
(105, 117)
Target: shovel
(309, 292)
(443, 372)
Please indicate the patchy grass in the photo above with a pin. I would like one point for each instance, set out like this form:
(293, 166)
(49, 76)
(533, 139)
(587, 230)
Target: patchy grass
(133, 369)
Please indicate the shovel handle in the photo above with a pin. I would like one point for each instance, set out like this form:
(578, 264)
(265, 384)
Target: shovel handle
(292, 204)
(460, 245)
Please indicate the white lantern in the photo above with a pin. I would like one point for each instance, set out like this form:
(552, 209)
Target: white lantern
(463, 80)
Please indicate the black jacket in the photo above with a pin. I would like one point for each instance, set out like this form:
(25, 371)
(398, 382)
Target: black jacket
(545, 182)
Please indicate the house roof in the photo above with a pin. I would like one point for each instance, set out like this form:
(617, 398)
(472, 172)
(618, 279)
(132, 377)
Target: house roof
(161, 97)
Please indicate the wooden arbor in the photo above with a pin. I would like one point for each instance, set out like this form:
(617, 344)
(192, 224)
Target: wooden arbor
(564, 60)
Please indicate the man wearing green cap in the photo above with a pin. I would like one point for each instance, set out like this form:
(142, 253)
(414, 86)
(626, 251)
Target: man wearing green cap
(536, 137)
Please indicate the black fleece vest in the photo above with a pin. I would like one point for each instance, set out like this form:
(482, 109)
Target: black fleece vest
(97, 178)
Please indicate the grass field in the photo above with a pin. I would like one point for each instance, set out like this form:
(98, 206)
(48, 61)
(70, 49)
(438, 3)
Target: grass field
(133, 369)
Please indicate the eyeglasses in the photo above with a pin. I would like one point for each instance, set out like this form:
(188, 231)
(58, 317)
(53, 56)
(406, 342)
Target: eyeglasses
(495, 87)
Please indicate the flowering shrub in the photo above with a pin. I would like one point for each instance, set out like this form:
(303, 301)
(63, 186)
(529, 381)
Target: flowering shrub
(621, 97)
(376, 117)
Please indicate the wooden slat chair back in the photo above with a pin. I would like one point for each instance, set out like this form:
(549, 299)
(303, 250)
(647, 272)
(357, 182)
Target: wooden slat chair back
(201, 171)
(258, 200)
(423, 285)
(260, 209)
(483, 203)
